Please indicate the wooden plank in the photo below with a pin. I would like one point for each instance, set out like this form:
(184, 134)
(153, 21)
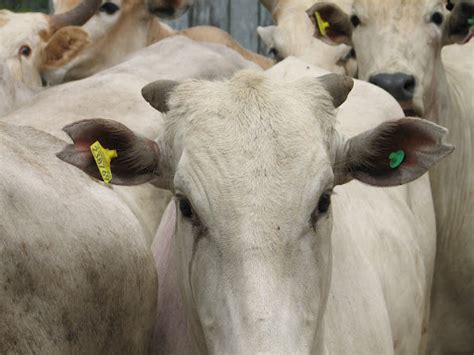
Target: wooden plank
(244, 16)
(210, 12)
(264, 19)
(180, 23)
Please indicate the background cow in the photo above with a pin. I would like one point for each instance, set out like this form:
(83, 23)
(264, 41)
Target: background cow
(292, 35)
(76, 271)
(398, 46)
(34, 42)
(123, 26)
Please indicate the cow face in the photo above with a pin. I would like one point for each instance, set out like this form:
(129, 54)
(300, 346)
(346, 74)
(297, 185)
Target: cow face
(253, 163)
(22, 45)
(29, 47)
(398, 43)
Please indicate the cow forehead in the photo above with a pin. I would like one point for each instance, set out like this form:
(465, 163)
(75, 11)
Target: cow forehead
(405, 9)
(21, 27)
(253, 128)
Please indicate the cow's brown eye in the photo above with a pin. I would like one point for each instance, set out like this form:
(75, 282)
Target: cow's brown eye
(25, 51)
(437, 18)
(355, 20)
(109, 8)
(185, 208)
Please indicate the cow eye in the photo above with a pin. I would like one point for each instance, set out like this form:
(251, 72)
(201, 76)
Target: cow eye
(186, 208)
(437, 18)
(324, 202)
(25, 51)
(355, 20)
(274, 54)
(109, 8)
(449, 5)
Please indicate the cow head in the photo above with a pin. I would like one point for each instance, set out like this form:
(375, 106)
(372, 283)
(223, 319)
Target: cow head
(398, 43)
(30, 43)
(253, 162)
(293, 36)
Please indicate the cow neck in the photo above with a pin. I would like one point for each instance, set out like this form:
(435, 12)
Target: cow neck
(157, 31)
(447, 106)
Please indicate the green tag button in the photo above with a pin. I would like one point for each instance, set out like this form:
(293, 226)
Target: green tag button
(396, 158)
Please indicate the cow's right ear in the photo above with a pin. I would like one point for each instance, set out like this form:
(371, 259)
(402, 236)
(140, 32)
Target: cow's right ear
(332, 24)
(64, 45)
(136, 161)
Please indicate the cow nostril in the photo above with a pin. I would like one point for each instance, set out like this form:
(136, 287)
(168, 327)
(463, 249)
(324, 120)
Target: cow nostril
(410, 85)
(401, 86)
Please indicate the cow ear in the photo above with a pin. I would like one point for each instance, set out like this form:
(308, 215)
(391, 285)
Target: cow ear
(136, 161)
(158, 93)
(64, 46)
(394, 153)
(338, 86)
(332, 25)
(459, 26)
(267, 34)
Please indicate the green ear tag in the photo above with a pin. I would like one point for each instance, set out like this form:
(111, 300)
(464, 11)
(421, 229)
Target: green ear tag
(396, 158)
(471, 21)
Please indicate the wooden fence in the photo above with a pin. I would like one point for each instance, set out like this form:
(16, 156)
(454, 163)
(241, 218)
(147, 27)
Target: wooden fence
(238, 17)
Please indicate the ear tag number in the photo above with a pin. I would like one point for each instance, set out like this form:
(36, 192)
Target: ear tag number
(103, 157)
(471, 21)
(322, 25)
(396, 158)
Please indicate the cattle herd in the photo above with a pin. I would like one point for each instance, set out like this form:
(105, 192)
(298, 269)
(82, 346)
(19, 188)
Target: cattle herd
(171, 192)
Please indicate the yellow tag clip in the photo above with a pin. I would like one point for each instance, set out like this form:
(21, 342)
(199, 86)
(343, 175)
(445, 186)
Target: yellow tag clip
(103, 157)
(322, 25)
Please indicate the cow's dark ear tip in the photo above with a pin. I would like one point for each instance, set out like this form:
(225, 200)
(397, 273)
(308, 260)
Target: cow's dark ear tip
(157, 94)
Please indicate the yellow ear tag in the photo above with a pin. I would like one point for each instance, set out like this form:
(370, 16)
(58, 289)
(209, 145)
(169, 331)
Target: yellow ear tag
(103, 157)
(322, 25)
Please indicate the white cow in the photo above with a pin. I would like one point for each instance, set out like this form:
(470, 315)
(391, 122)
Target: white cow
(292, 35)
(76, 272)
(398, 45)
(32, 43)
(253, 162)
(116, 93)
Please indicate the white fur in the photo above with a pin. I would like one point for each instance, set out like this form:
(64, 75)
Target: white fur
(397, 36)
(76, 270)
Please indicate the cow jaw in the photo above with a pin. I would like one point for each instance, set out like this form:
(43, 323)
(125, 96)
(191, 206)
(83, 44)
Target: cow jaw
(398, 37)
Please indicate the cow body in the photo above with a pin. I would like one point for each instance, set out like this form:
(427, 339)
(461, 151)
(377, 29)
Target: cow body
(378, 236)
(76, 274)
(116, 93)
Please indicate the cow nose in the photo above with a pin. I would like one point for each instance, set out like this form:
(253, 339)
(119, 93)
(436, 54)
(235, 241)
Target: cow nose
(400, 86)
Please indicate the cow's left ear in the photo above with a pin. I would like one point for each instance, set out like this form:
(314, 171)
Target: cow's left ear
(63, 46)
(459, 27)
(394, 153)
(331, 24)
